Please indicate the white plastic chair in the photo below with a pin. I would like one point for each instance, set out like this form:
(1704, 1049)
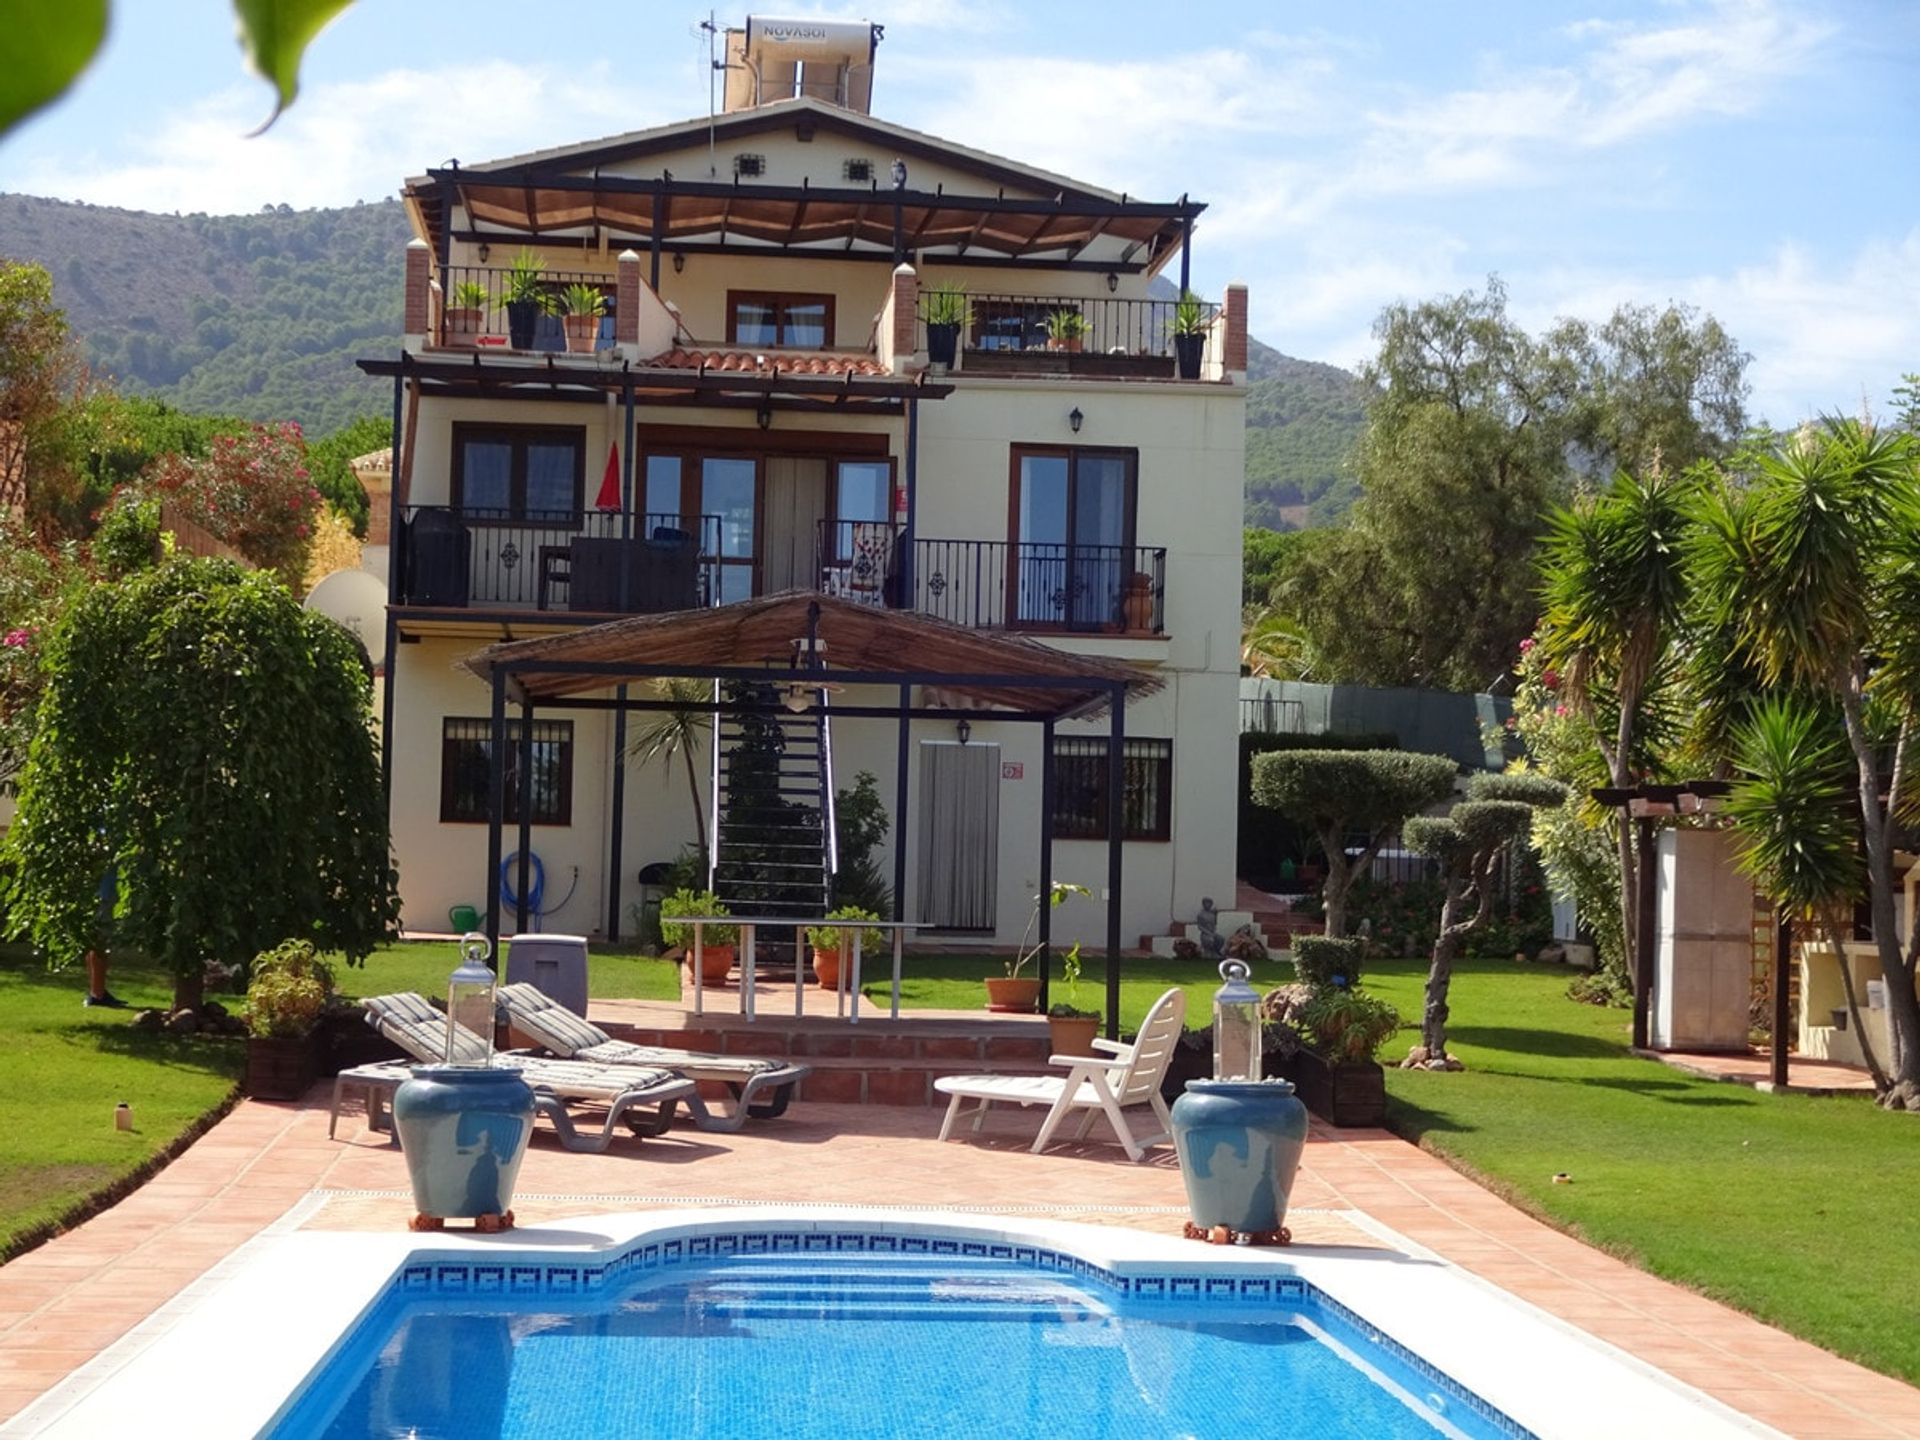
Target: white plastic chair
(1109, 1084)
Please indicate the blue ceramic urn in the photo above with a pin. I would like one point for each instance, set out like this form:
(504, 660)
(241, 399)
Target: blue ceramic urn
(464, 1130)
(1239, 1143)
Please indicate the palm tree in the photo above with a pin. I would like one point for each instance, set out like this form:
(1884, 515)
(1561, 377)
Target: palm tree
(1794, 827)
(1808, 578)
(1273, 646)
(1614, 586)
(662, 734)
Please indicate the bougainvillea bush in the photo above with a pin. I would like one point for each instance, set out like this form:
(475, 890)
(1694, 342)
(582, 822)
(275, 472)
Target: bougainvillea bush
(253, 492)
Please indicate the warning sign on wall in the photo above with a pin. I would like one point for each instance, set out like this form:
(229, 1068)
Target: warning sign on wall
(1013, 770)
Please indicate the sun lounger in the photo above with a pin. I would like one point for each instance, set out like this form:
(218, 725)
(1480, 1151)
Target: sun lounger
(623, 1090)
(556, 1028)
(1124, 1076)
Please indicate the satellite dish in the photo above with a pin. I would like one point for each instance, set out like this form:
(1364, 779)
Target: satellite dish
(352, 598)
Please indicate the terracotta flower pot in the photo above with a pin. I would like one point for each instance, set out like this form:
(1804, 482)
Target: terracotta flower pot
(1072, 1034)
(1013, 995)
(463, 325)
(716, 961)
(581, 330)
(826, 968)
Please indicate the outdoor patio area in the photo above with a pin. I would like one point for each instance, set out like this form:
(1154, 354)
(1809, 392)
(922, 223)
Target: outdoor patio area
(269, 1165)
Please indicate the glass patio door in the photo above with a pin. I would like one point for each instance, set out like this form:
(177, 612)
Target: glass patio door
(1073, 541)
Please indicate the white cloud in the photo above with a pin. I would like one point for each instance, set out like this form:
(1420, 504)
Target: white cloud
(343, 142)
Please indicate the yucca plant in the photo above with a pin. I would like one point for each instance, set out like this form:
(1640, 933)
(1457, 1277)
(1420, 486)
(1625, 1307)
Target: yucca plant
(580, 298)
(947, 305)
(469, 295)
(1189, 314)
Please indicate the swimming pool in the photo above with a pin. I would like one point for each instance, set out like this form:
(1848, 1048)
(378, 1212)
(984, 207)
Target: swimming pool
(822, 1336)
(298, 1314)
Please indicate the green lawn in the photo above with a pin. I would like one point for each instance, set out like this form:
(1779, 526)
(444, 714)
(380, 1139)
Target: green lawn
(952, 982)
(425, 965)
(62, 1070)
(1799, 1210)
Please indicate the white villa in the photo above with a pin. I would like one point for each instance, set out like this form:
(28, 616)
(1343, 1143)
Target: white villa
(735, 365)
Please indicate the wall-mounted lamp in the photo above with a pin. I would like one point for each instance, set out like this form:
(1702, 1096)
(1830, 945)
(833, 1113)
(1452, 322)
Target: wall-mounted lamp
(485, 250)
(679, 261)
(765, 417)
(1113, 282)
(899, 173)
(964, 729)
(1074, 417)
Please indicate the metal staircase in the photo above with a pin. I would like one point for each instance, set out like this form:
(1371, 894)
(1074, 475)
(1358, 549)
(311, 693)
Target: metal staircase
(774, 851)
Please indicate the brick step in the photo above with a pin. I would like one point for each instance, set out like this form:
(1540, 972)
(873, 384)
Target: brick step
(871, 1082)
(843, 1043)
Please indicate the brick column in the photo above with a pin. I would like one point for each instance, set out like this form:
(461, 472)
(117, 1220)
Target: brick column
(906, 314)
(1233, 314)
(626, 299)
(419, 262)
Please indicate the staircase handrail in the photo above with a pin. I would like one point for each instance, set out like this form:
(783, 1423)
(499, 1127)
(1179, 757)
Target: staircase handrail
(829, 821)
(713, 797)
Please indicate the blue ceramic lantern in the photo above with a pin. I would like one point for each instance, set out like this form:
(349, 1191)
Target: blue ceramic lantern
(464, 1125)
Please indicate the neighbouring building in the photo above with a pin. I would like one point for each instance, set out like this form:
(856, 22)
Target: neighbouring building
(681, 368)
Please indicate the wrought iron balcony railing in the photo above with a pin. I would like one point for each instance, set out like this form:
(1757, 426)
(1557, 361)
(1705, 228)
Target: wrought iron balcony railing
(1074, 335)
(994, 584)
(596, 561)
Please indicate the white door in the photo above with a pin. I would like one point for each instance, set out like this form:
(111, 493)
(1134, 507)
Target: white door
(959, 835)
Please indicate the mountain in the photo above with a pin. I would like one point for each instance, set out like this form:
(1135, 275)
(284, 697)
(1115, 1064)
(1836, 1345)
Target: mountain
(262, 316)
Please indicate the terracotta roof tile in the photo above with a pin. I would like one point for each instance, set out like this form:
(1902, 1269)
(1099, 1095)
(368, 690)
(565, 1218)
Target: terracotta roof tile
(768, 362)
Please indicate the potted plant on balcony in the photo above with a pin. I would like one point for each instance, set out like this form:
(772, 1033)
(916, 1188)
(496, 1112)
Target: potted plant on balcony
(1066, 330)
(580, 303)
(466, 312)
(947, 315)
(286, 996)
(527, 298)
(1070, 1030)
(716, 941)
(1014, 993)
(1136, 601)
(1189, 334)
(833, 944)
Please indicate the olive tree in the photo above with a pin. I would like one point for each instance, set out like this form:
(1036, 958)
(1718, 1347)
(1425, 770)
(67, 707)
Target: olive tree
(1470, 842)
(208, 744)
(1338, 793)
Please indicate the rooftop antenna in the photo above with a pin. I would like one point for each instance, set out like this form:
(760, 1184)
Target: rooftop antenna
(715, 66)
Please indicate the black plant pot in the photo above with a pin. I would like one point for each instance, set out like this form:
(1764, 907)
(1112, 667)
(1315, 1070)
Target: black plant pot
(1187, 350)
(1346, 1093)
(943, 344)
(523, 316)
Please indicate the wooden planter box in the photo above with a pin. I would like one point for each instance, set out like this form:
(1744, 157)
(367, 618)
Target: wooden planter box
(345, 1040)
(1350, 1094)
(281, 1069)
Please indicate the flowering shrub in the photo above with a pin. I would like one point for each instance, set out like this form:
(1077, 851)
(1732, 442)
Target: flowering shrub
(253, 492)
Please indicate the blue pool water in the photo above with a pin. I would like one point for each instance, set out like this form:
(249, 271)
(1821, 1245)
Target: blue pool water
(793, 1347)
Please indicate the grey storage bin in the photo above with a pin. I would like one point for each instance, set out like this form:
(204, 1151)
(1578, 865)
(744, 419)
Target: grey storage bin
(555, 965)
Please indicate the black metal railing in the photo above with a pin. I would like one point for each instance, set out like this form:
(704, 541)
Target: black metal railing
(473, 307)
(1056, 326)
(596, 561)
(994, 584)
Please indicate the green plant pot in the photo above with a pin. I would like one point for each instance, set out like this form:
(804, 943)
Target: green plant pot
(464, 1130)
(1239, 1143)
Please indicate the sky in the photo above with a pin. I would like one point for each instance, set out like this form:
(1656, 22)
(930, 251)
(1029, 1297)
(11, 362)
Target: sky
(1756, 159)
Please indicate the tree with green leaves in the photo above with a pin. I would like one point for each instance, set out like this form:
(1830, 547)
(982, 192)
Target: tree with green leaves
(1340, 793)
(1470, 842)
(39, 377)
(1795, 829)
(1805, 578)
(1614, 588)
(1475, 430)
(330, 461)
(660, 735)
(209, 745)
(45, 44)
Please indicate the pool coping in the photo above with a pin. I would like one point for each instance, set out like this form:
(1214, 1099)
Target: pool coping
(1456, 1322)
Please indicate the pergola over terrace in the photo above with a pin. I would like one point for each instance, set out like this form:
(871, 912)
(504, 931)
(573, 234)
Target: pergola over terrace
(806, 641)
